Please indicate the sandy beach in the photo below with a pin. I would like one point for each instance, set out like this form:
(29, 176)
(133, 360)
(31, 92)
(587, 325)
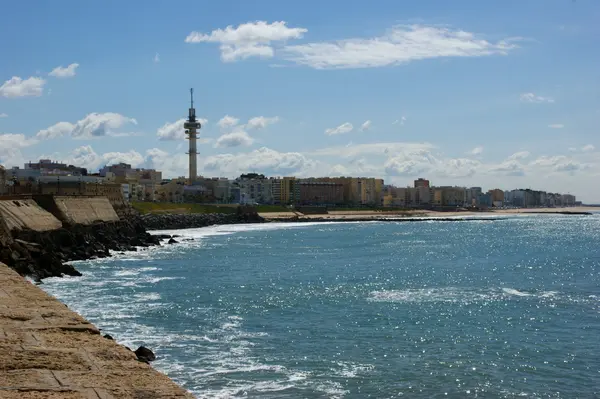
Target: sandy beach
(376, 215)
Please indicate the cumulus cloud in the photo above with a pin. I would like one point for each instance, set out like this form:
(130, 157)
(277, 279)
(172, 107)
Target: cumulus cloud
(519, 155)
(234, 139)
(365, 126)
(17, 87)
(419, 161)
(93, 125)
(227, 122)
(175, 130)
(64, 72)
(341, 129)
(556, 126)
(400, 45)
(532, 98)
(261, 122)
(588, 148)
(476, 151)
(10, 148)
(510, 167)
(251, 39)
(263, 159)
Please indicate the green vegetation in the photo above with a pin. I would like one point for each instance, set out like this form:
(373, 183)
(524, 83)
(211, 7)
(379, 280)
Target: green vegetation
(169, 207)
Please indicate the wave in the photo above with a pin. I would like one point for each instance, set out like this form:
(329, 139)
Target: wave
(455, 295)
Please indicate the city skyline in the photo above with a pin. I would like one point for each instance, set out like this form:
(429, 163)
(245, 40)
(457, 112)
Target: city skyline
(470, 95)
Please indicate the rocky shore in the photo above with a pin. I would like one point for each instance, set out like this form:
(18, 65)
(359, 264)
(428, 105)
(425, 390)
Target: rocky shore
(196, 220)
(42, 254)
(48, 351)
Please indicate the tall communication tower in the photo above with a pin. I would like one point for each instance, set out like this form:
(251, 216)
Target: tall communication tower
(191, 127)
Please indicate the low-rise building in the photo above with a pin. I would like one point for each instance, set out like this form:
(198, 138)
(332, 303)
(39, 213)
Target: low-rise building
(47, 167)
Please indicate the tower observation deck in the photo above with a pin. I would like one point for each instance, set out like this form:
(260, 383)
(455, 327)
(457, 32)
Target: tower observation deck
(191, 126)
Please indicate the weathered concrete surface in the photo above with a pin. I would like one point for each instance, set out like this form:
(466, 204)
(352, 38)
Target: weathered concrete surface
(85, 210)
(48, 351)
(26, 214)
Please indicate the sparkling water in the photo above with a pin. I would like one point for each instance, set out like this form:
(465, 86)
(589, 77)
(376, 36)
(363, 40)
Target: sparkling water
(505, 308)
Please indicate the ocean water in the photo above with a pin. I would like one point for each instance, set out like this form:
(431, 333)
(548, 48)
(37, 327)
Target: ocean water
(505, 308)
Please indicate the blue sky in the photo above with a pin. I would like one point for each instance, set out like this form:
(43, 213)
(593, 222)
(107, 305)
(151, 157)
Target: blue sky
(493, 94)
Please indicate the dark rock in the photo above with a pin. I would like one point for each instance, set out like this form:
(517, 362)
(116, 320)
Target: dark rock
(108, 336)
(173, 241)
(144, 354)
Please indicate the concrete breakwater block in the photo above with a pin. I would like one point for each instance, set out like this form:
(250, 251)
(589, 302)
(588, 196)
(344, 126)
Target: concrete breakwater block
(27, 214)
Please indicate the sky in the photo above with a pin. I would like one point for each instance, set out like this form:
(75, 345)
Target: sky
(499, 94)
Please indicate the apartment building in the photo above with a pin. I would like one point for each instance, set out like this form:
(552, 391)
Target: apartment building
(314, 192)
(450, 196)
(286, 190)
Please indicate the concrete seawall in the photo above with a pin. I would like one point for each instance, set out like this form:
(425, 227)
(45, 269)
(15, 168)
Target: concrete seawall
(27, 214)
(49, 351)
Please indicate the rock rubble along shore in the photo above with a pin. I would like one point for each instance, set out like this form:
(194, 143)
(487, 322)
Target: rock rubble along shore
(42, 254)
(195, 220)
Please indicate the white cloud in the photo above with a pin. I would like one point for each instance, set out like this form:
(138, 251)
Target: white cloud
(556, 126)
(377, 149)
(175, 130)
(588, 148)
(419, 161)
(227, 122)
(264, 160)
(10, 148)
(261, 122)
(399, 121)
(3, 115)
(476, 151)
(17, 87)
(234, 139)
(156, 58)
(559, 163)
(64, 72)
(93, 125)
(532, 98)
(401, 44)
(252, 39)
(518, 155)
(341, 129)
(365, 126)
(510, 167)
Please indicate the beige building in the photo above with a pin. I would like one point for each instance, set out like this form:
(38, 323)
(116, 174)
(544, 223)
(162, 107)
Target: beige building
(449, 196)
(497, 195)
(285, 190)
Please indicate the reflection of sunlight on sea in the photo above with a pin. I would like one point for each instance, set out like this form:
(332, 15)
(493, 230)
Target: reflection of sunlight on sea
(344, 309)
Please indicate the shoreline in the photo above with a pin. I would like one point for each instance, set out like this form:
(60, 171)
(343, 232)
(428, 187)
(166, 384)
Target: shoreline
(50, 351)
(419, 215)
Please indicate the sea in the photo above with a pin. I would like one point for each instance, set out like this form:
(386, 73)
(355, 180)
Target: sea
(506, 307)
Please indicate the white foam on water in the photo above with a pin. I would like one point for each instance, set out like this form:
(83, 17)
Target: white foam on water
(512, 291)
(455, 295)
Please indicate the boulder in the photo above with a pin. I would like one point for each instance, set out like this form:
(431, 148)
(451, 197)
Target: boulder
(173, 241)
(144, 354)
